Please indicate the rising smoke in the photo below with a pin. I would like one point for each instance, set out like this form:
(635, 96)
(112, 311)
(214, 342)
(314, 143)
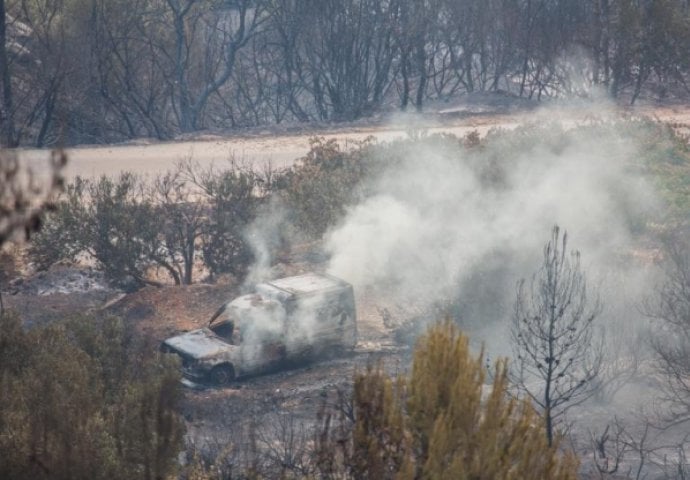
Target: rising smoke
(265, 235)
(457, 228)
(442, 225)
(446, 225)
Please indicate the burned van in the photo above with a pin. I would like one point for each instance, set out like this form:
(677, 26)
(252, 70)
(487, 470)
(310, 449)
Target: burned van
(284, 322)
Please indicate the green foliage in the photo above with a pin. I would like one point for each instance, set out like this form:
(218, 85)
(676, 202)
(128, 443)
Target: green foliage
(325, 182)
(666, 159)
(112, 220)
(655, 150)
(129, 225)
(60, 236)
(82, 399)
(122, 226)
(232, 201)
(441, 423)
(380, 441)
(331, 178)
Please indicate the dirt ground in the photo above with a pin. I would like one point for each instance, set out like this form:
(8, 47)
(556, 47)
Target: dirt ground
(214, 415)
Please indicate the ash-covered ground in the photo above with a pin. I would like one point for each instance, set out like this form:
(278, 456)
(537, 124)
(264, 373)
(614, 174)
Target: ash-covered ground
(160, 312)
(261, 409)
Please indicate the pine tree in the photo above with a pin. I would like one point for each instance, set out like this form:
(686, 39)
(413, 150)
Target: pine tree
(442, 422)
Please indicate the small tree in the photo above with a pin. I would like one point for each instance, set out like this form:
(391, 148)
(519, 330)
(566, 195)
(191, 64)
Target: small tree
(184, 218)
(552, 334)
(324, 183)
(83, 399)
(123, 230)
(108, 219)
(231, 203)
(671, 306)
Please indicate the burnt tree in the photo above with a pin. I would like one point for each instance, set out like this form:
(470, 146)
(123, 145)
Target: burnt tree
(7, 111)
(671, 307)
(556, 359)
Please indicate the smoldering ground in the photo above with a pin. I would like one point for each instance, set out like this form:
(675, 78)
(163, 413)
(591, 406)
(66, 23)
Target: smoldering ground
(452, 230)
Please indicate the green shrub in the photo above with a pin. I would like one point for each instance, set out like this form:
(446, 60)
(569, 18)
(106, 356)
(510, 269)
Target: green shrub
(438, 422)
(82, 399)
(324, 183)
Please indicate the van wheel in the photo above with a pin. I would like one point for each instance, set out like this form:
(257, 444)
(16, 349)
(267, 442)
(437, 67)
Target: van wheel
(222, 374)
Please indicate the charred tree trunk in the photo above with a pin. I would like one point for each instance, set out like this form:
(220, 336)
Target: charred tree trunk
(528, 48)
(420, 55)
(7, 113)
(188, 256)
(405, 72)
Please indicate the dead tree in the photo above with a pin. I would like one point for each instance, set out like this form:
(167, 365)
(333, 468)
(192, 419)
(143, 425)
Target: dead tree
(671, 307)
(234, 29)
(7, 110)
(556, 360)
(609, 448)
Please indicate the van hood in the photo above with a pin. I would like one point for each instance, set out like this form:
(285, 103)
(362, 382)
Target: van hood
(198, 344)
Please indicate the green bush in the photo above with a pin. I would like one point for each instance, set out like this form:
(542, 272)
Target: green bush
(194, 215)
(325, 182)
(129, 225)
(438, 422)
(82, 399)
(112, 220)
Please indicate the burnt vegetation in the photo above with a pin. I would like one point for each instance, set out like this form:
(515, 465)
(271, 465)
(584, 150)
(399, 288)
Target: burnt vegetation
(98, 71)
(553, 334)
(88, 396)
(440, 420)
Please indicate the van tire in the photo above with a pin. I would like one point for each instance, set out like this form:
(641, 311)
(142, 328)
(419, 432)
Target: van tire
(222, 374)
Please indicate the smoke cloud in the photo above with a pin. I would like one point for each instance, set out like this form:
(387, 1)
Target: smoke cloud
(265, 235)
(446, 225)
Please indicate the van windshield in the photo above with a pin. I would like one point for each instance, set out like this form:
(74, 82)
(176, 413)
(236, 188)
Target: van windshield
(226, 331)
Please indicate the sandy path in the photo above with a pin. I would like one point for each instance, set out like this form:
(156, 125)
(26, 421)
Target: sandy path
(279, 150)
(282, 149)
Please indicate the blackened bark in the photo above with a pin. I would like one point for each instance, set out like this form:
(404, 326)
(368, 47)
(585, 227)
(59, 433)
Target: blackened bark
(7, 112)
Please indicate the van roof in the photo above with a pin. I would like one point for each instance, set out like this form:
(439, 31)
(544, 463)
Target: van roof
(308, 283)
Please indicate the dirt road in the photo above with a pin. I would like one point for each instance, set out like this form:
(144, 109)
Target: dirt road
(281, 149)
(259, 149)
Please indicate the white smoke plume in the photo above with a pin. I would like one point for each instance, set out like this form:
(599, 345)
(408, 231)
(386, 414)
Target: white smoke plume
(436, 229)
(265, 235)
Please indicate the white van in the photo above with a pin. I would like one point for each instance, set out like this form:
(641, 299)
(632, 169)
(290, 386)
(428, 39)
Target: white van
(287, 321)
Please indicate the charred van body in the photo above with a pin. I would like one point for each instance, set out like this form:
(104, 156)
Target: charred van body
(286, 321)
